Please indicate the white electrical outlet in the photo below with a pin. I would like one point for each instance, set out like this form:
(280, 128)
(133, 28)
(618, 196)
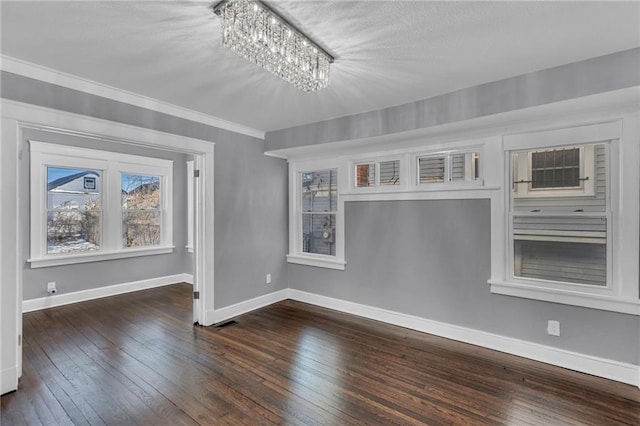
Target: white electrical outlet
(51, 287)
(268, 279)
(553, 328)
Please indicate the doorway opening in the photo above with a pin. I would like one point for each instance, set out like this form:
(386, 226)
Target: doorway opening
(18, 121)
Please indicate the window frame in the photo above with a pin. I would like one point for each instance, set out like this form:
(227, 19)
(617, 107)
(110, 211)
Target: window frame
(296, 255)
(610, 145)
(448, 181)
(112, 166)
(375, 161)
(312, 213)
(622, 293)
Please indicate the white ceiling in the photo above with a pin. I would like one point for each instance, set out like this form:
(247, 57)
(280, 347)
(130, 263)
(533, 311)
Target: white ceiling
(387, 52)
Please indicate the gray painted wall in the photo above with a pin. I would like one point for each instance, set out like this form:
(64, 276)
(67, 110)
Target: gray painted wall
(250, 191)
(70, 278)
(432, 259)
(598, 75)
(251, 223)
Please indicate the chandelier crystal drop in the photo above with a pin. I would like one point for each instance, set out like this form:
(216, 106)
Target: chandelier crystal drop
(255, 32)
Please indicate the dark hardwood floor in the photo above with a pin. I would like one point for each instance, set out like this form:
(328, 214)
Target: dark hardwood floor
(136, 359)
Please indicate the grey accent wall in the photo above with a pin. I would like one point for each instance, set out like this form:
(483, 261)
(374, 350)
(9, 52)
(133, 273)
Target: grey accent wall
(251, 223)
(597, 75)
(250, 192)
(432, 259)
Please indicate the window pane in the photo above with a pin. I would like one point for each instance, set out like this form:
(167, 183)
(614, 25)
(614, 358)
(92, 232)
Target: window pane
(581, 263)
(73, 210)
(72, 188)
(390, 172)
(559, 168)
(561, 248)
(140, 192)
(536, 188)
(141, 210)
(73, 231)
(365, 175)
(320, 191)
(431, 169)
(140, 228)
(318, 233)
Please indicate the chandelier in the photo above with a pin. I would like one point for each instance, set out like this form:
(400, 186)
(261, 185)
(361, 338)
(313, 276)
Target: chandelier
(254, 31)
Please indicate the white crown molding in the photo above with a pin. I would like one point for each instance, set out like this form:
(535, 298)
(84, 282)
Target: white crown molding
(598, 108)
(70, 81)
(97, 293)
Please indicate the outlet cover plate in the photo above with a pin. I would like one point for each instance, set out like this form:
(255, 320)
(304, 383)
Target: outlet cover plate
(553, 328)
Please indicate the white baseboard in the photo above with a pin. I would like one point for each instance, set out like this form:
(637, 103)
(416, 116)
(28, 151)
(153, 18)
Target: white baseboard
(96, 293)
(8, 380)
(222, 314)
(601, 367)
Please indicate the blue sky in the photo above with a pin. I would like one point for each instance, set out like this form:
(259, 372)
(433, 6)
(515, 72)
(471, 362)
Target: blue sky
(54, 173)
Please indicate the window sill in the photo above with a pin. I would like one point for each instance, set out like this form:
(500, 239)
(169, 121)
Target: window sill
(58, 260)
(329, 263)
(575, 298)
(449, 192)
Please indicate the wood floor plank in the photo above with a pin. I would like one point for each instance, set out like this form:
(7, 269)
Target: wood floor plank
(137, 359)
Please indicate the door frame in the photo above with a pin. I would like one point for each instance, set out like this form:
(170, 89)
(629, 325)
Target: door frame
(17, 116)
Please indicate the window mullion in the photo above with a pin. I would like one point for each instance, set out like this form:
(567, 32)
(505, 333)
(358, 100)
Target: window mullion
(112, 212)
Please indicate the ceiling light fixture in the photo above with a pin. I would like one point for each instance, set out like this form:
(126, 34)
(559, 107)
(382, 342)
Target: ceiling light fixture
(254, 31)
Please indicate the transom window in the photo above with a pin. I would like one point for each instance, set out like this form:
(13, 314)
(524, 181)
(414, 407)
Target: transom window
(389, 172)
(455, 167)
(377, 173)
(91, 205)
(365, 175)
(431, 169)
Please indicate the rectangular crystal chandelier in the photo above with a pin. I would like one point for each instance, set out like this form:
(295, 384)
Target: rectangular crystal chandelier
(254, 31)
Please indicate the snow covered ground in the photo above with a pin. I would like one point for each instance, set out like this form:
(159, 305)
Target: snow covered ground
(78, 246)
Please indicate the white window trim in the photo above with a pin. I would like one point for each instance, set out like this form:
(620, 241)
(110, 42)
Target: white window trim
(295, 214)
(623, 186)
(43, 154)
(190, 204)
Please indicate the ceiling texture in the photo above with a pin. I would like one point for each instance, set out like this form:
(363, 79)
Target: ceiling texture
(387, 52)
